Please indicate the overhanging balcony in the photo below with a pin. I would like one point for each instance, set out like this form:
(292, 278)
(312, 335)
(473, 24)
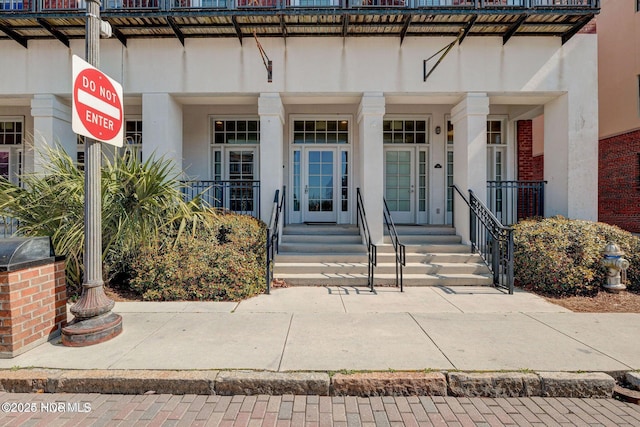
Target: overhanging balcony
(24, 20)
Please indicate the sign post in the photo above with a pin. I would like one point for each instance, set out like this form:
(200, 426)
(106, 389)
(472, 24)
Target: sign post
(97, 109)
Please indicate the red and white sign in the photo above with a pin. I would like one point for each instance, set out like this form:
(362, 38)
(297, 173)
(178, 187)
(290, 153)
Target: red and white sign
(97, 104)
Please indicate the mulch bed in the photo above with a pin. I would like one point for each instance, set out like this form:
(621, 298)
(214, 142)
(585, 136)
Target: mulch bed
(604, 302)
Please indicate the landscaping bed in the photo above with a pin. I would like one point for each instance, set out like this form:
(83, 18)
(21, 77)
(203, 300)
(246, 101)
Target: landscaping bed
(603, 302)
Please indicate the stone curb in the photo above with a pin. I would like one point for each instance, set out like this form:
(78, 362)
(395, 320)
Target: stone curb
(275, 383)
(458, 384)
(633, 379)
(494, 384)
(389, 384)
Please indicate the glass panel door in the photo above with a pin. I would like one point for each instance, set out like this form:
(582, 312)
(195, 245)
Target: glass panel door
(399, 190)
(319, 189)
(4, 164)
(241, 172)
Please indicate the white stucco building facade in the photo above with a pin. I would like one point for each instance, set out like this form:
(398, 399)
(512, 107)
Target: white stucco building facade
(340, 113)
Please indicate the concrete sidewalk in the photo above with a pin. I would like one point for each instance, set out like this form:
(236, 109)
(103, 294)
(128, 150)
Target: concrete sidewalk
(335, 328)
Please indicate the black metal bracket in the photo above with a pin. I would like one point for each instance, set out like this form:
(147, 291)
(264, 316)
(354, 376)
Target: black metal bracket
(55, 33)
(512, 30)
(446, 50)
(14, 36)
(268, 64)
(576, 28)
(176, 30)
(236, 27)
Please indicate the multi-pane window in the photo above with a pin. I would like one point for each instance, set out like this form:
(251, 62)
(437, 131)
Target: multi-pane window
(80, 152)
(344, 181)
(11, 136)
(236, 132)
(321, 132)
(449, 170)
(404, 131)
(133, 137)
(10, 131)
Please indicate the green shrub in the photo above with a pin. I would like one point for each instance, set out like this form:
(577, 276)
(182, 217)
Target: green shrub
(221, 262)
(140, 200)
(561, 257)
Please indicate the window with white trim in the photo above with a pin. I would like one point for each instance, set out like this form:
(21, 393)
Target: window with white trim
(11, 138)
(133, 137)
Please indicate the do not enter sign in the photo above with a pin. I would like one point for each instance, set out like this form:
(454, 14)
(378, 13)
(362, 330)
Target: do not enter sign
(97, 104)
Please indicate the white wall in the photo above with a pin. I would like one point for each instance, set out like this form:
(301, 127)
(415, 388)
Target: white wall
(301, 65)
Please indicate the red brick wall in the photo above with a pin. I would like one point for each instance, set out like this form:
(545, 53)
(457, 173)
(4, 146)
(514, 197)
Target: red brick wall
(530, 167)
(33, 306)
(619, 181)
(538, 168)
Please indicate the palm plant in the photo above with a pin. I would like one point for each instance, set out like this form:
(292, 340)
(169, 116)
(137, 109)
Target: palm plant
(140, 200)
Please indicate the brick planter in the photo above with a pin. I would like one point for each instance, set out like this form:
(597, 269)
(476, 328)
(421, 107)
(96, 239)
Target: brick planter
(33, 305)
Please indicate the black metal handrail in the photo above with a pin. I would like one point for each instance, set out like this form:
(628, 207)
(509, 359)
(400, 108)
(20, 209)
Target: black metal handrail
(511, 201)
(240, 196)
(492, 240)
(372, 250)
(273, 234)
(399, 248)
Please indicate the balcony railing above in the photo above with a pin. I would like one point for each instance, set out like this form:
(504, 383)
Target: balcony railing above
(59, 5)
(24, 20)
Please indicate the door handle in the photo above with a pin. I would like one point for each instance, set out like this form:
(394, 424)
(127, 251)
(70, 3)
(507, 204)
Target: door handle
(412, 190)
(306, 189)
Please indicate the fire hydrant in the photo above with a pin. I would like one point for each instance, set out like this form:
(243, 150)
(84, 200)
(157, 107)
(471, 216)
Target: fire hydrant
(616, 268)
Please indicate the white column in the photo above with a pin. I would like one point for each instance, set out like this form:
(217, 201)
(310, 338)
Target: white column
(51, 127)
(271, 113)
(370, 115)
(162, 128)
(571, 156)
(469, 119)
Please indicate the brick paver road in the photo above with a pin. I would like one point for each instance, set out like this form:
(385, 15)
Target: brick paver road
(191, 410)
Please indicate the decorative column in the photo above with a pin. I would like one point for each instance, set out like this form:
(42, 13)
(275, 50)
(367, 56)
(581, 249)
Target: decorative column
(51, 126)
(162, 128)
(370, 115)
(469, 119)
(271, 113)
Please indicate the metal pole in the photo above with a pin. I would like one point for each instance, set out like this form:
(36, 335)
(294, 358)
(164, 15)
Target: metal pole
(93, 322)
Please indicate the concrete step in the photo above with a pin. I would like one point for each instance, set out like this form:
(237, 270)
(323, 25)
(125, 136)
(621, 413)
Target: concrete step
(325, 247)
(358, 279)
(426, 239)
(308, 257)
(381, 268)
(427, 249)
(433, 258)
(322, 229)
(332, 239)
(412, 230)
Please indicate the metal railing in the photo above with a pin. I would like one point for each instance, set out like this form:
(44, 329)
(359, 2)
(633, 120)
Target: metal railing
(8, 226)
(399, 248)
(492, 240)
(146, 5)
(242, 197)
(363, 227)
(273, 234)
(511, 201)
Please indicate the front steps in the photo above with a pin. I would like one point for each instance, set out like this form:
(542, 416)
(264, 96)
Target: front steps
(316, 255)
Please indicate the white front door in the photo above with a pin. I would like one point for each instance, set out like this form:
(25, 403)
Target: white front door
(319, 183)
(399, 189)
